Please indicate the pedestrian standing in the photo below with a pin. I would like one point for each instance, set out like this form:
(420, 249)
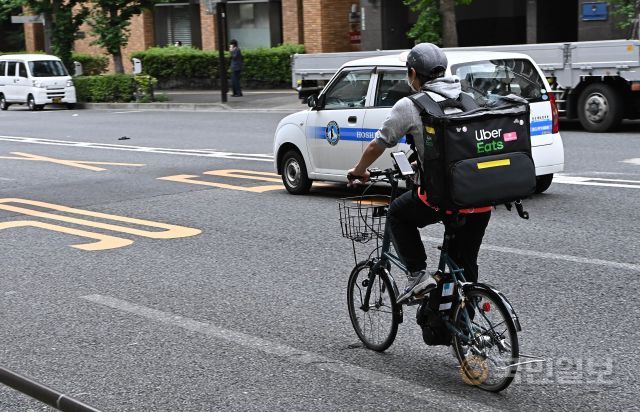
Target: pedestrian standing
(236, 67)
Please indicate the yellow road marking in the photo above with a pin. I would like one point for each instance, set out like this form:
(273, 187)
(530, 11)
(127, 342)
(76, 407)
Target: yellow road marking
(170, 232)
(190, 179)
(246, 174)
(236, 174)
(72, 163)
(104, 241)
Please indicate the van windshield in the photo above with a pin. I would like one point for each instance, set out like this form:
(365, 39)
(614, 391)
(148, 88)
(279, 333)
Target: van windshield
(47, 68)
(492, 78)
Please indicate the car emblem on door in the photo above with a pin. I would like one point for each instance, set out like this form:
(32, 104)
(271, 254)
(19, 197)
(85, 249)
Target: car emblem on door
(332, 133)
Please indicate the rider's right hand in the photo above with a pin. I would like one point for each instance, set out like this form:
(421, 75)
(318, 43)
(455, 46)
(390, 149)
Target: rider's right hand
(354, 179)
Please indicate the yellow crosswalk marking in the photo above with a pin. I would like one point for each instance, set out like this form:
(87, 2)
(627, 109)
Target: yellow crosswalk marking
(81, 164)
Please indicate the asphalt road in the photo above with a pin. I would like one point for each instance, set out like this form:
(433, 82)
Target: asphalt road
(221, 296)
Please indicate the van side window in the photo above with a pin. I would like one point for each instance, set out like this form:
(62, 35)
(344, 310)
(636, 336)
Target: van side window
(11, 68)
(3, 67)
(349, 91)
(392, 86)
(22, 70)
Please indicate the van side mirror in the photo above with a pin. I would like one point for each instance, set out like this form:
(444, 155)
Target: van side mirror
(312, 101)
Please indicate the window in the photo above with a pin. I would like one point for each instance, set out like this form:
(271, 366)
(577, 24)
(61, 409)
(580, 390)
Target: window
(22, 70)
(392, 86)
(11, 68)
(487, 79)
(47, 68)
(349, 91)
(3, 66)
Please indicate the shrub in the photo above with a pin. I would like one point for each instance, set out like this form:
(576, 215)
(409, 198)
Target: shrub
(270, 66)
(92, 65)
(109, 88)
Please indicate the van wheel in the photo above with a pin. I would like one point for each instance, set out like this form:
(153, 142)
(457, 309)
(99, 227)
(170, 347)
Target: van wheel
(600, 108)
(543, 182)
(3, 103)
(294, 173)
(31, 102)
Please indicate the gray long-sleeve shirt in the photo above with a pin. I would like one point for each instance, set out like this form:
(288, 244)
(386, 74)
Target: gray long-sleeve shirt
(404, 117)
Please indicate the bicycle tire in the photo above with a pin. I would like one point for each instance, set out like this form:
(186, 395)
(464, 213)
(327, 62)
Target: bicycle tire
(474, 367)
(383, 295)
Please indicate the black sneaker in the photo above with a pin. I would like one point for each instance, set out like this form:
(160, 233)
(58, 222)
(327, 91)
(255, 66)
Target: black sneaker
(417, 283)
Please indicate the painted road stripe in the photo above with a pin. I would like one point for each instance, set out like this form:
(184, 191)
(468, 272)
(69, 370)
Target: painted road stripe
(388, 382)
(258, 157)
(635, 161)
(554, 256)
(596, 181)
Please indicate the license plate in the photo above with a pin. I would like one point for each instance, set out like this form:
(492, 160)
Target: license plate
(56, 100)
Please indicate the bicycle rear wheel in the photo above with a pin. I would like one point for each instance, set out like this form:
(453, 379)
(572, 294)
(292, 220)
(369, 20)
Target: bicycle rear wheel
(376, 323)
(488, 357)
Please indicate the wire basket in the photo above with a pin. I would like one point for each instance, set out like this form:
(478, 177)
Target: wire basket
(362, 218)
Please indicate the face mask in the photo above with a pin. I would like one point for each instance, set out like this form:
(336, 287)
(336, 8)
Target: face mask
(413, 89)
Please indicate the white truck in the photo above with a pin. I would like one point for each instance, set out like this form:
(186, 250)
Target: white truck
(596, 82)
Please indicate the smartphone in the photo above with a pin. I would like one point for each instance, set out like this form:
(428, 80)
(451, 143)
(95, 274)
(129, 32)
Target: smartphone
(403, 163)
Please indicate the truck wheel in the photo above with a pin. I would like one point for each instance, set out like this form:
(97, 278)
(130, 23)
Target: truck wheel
(3, 103)
(294, 173)
(543, 182)
(599, 108)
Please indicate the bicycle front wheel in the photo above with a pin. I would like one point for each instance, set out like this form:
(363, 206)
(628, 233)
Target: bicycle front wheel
(488, 352)
(376, 320)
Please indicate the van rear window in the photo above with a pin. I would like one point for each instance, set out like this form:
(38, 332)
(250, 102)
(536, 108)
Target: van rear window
(488, 78)
(47, 68)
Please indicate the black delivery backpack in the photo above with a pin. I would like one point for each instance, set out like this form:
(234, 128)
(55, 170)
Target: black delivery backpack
(478, 157)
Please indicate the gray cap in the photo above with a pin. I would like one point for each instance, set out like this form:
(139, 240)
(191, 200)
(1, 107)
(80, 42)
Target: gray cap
(428, 60)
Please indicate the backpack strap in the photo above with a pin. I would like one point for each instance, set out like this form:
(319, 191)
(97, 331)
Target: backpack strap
(426, 104)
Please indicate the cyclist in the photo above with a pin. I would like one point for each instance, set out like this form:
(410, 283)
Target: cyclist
(426, 65)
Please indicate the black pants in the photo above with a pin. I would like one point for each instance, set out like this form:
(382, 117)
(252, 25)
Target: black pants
(235, 82)
(407, 213)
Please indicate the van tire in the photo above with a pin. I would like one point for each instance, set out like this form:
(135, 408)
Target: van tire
(31, 103)
(3, 103)
(600, 108)
(294, 173)
(543, 182)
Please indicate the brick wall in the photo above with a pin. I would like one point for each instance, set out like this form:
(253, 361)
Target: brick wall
(208, 29)
(326, 25)
(33, 37)
(292, 21)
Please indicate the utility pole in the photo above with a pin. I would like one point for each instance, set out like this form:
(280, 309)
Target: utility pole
(221, 25)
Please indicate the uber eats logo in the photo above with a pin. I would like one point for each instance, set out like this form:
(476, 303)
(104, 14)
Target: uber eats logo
(487, 140)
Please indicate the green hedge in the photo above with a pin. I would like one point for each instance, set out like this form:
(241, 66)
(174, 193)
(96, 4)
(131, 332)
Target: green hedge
(272, 66)
(114, 88)
(92, 65)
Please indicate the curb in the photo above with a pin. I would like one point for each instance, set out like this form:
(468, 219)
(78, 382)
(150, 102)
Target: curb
(183, 107)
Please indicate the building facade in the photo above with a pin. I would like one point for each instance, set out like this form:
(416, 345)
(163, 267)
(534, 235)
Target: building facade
(346, 25)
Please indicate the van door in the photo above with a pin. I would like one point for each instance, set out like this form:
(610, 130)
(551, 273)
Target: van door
(10, 82)
(391, 86)
(334, 130)
(23, 83)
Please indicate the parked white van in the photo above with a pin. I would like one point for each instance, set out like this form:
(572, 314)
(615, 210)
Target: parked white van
(34, 80)
(324, 141)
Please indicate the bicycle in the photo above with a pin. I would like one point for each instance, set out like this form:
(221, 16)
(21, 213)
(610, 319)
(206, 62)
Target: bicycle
(482, 322)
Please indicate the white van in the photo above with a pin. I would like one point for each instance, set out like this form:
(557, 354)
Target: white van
(323, 142)
(35, 80)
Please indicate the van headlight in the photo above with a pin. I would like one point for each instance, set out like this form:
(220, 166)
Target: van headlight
(38, 84)
(69, 83)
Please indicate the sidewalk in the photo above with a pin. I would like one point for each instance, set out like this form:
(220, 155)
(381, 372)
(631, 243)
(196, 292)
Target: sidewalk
(279, 100)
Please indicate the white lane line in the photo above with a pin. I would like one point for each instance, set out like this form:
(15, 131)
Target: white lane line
(554, 256)
(635, 161)
(130, 111)
(596, 181)
(387, 382)
(258, 157)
